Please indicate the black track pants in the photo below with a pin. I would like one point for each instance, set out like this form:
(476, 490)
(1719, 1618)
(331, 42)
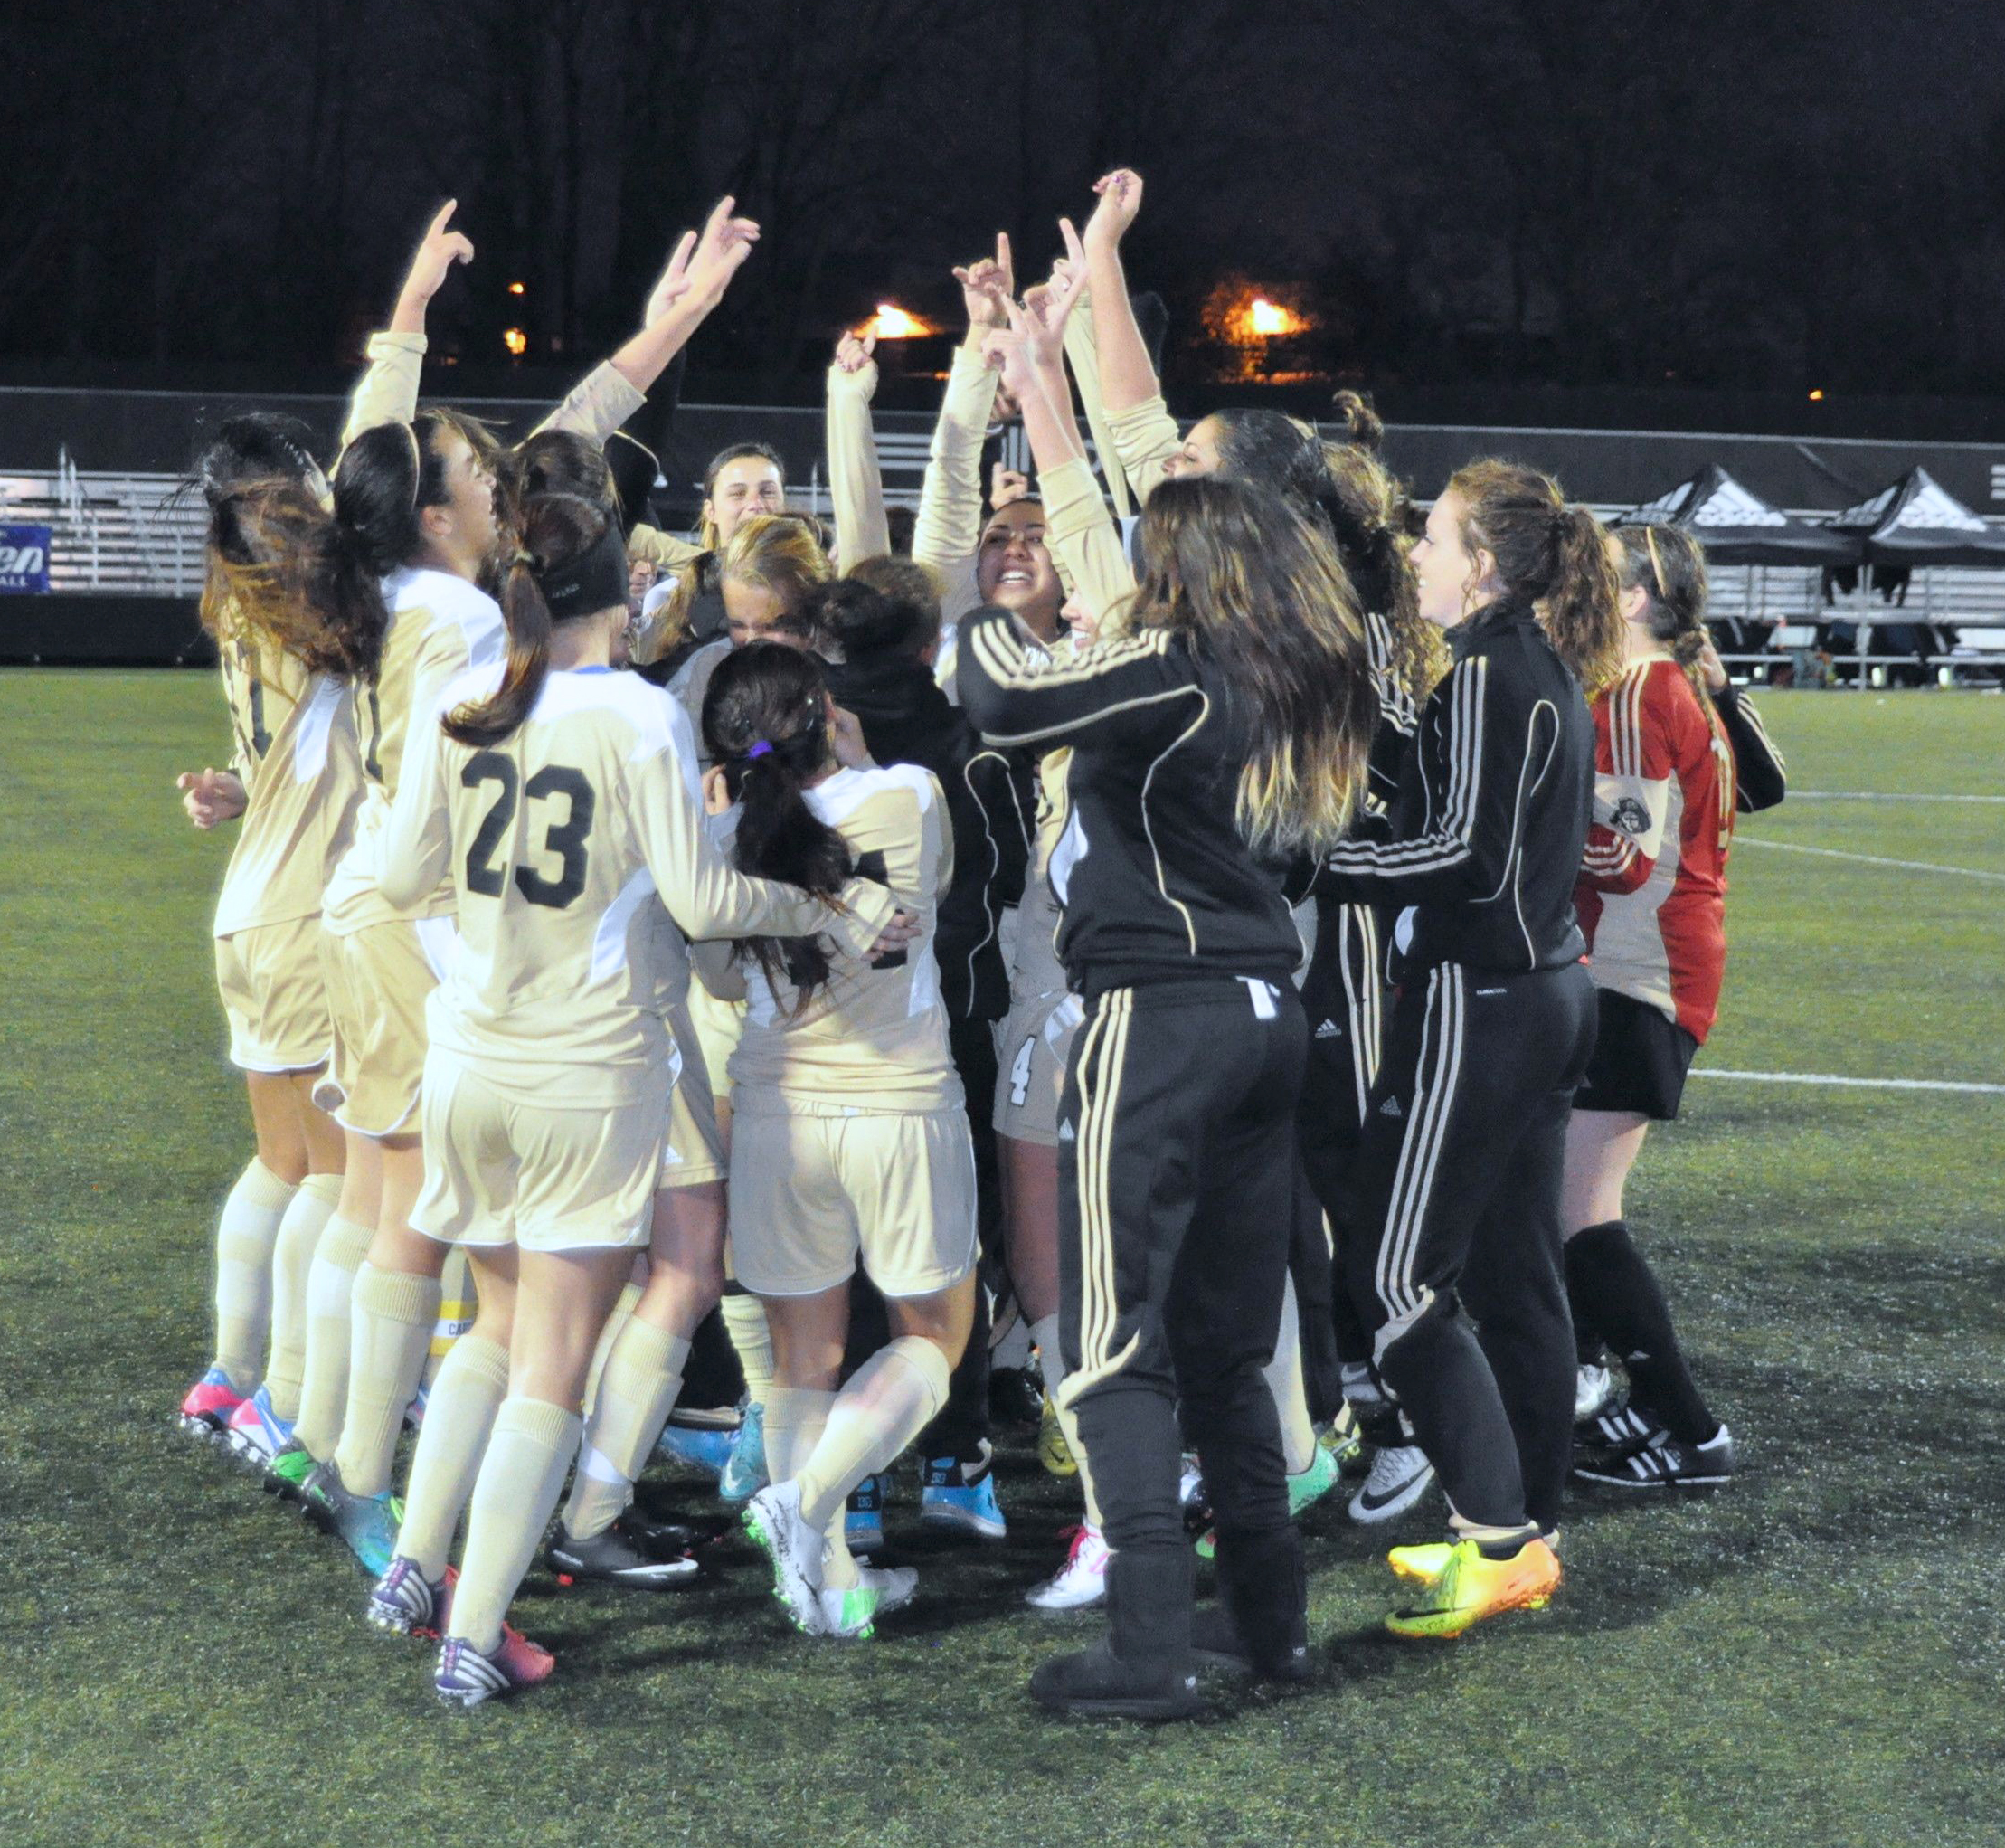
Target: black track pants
(1176, 1179)
(1460, 1178)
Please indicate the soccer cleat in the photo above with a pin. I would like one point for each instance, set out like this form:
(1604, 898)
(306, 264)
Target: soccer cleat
(286, 1474)
(210, 1403)
(1424, 1563)
(365, 1524)
(1400, 1473)
(744, 1471)
(1054, 1450)
(705, 1448)
(1344, 1441)
(863, 1521)
(1016, 1396)
(257, 1434)
(628, 1552)
(1305, 1489)
(467, 1676)
(1668, 1463)
(851, 1613)
(1190, 1484)
(405, 1601)
(1594, 1392)
(772, 1519)
(1471, 1587)
(1081, 1581)
(1612, 1439)
(961, 1497)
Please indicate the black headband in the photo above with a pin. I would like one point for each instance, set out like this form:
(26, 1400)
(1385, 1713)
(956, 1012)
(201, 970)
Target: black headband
(594, 580)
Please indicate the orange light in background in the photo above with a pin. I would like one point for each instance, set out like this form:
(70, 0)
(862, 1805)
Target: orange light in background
(1266, 318)
(1817, 397)
(516, 341)
(891, 322)
(518, 288)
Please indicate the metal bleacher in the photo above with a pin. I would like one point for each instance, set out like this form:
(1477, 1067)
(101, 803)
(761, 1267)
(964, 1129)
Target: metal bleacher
(132, 534)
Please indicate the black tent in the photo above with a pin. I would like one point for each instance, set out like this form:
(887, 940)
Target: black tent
(1917, 521)
(1738, 526)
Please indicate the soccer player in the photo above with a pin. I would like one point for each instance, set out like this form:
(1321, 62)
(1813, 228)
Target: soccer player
(1231, 721)
(1465, 1137)
(849, 1134)
(553, 795)
(295, 621)
(1672, 739)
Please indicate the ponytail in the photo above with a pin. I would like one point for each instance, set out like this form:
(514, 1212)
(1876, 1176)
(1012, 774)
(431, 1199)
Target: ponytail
(765, 722)
(558, 532)
(1550, 557)
(1362, 504)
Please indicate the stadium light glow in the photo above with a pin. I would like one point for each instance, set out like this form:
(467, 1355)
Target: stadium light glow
(1817, 397)
(516, 341)
(891, 322)
(1267, 318)
(518, 288)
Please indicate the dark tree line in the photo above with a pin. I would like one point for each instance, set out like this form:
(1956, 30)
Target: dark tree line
(1607, 192)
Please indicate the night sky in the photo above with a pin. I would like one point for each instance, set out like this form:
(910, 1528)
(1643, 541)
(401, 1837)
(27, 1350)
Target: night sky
(1771, 196)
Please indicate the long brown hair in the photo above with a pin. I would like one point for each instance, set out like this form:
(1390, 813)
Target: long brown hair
(556, 529)
(282, 573)
(1669, 565)
(1362, 504)
(1548, 555)
(1258, 586)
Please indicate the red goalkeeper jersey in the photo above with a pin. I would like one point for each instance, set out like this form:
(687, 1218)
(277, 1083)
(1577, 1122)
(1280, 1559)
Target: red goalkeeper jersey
(1652, 891)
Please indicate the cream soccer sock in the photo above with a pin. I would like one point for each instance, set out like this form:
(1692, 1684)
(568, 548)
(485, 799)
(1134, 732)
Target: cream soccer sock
(1284, 1375)
(795, 1417)
(637, 1391)
(291, 1269)
(472, 1382)
(745, 1321)
(394, 1314)
(617, 1318)
(521, 1477)
(246, 1231)
(888, 1401)
(1052, 1363)
(330, 1288)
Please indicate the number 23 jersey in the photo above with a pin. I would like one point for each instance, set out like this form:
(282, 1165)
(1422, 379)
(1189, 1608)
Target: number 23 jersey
(582, 866)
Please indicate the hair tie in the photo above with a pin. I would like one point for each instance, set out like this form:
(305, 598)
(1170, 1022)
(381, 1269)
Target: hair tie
(524, 558)
(760, 749)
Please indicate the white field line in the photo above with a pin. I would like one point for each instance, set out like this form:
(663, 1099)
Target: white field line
(1856, 1083)
(1870, 859)
(1880, 796)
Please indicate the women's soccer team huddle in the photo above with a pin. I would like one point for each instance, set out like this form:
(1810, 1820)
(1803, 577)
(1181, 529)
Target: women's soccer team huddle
(1195, 911)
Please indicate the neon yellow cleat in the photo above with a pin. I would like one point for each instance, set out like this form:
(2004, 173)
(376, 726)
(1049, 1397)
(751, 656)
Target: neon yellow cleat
(1471, 1588)
(1053, 1451)
(1421, 1565)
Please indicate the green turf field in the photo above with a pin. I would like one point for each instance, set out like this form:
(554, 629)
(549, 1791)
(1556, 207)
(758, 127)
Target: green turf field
(1814, 1656)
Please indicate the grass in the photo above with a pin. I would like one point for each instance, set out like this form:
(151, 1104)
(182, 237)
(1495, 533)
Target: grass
(1812, 1656)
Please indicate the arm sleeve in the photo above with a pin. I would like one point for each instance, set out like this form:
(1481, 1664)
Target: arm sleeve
(661, 548)
(718, 968)
(707, 899)
(1635, 760)
(1083, 356)
(949, 527)
(1459, 849)
(388, 390)
(856, 484)
(1760, 778)
(1145, 438)
(596, 405)
(416, 846)
(1118, 688)
(999, 785)
(1083, 535)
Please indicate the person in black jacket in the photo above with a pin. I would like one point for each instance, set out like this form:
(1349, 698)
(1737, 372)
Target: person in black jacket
(885, 677)
(1465, 1134)
(1227, 729)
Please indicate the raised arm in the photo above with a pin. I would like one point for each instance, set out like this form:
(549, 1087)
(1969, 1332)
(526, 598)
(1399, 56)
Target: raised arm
(388, 391)
(949, 527)
(1761, 777)
(1013, 697)
(856, 483)
(1145, 435)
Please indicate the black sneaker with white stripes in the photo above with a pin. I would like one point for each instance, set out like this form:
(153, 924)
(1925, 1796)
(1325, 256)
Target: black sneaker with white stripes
(629, 1552)
(1612, 1438)
(1668, 1462)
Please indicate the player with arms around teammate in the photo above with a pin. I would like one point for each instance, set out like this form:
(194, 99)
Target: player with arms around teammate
(1678, 751)
(295, 618)
(554, 797)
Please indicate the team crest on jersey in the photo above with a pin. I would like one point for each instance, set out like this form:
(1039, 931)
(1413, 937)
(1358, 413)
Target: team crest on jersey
(1632, 817)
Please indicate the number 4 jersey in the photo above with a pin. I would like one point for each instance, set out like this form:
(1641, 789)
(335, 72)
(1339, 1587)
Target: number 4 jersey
(582, 869)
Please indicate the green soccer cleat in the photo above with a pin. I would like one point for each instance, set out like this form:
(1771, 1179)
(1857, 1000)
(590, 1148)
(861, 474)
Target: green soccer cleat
(1305, 1489)
(286, 1474)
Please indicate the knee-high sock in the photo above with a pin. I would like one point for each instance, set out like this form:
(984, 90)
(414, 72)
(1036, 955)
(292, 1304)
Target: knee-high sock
(617, 1318)
(457, 1306)
(292, 1272)
(330, 1290)
(394, 1314)
(521, 1477)
(795, 1417)
(472, 1382)
(886, 1405)
(1044, 1332)
(1610, 1277)
(246, 1230)
(637, 1391)
(1284, 1375)
(745, 1318)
